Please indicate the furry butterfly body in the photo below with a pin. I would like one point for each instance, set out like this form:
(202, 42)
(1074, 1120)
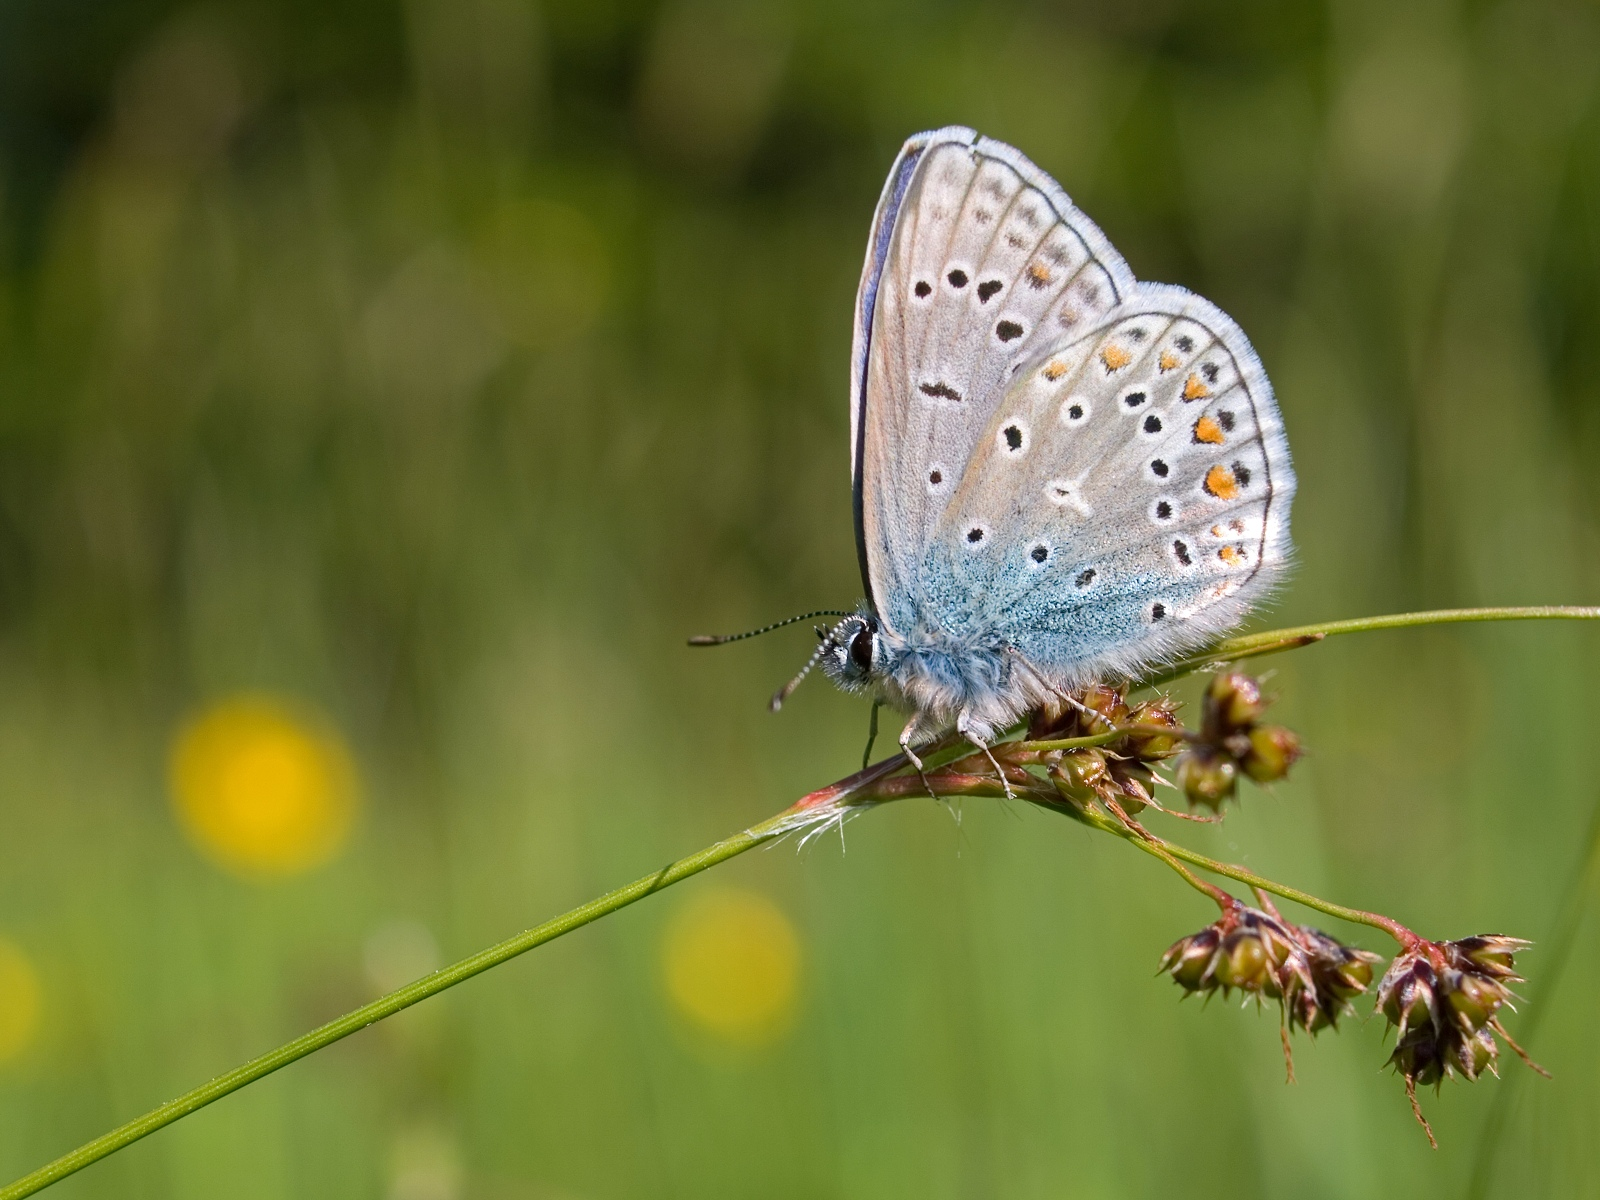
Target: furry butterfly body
(1060, 473)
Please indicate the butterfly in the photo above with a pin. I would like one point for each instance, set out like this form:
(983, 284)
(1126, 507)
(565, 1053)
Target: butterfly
(1060, 473)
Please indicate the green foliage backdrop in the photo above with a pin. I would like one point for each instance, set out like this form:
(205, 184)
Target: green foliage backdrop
(439, 366)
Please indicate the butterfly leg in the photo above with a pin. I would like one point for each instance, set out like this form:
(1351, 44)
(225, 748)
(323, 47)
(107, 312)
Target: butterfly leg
(964, 731)
(912, 731)
(872, 734)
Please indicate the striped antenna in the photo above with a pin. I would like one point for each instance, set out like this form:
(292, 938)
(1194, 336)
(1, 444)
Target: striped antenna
(826, 644)
(722, 639)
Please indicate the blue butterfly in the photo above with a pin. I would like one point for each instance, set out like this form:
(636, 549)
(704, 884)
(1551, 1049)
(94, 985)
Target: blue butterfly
(1060, 473)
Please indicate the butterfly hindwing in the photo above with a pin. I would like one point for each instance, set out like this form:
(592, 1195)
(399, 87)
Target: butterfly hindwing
(1128, 498)
(976, 261)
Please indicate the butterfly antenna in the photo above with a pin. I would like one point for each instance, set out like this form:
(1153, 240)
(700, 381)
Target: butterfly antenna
(722, 639)
(787, 689)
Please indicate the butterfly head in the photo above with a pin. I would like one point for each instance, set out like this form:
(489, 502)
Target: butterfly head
(853, 652)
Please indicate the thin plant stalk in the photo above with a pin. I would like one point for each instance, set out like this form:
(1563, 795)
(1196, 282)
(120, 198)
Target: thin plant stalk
(386, 1006)
(866, 787)
(1167, 851)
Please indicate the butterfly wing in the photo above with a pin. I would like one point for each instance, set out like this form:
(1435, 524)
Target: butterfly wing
(1128, 499)
(977, 261)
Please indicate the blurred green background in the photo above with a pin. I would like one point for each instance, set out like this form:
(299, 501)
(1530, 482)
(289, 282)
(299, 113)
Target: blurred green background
(390, 388)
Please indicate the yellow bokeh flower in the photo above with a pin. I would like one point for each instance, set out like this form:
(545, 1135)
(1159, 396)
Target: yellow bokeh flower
(21, 1001)
(261, 789)
(731, 961)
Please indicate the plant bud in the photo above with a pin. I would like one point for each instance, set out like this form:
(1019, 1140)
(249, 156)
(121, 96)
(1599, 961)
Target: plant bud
(1355, 977)
(1109, 705)
(1234, 698)
(1491, 953)
(1475, 1054)
(1155, 729)
(1243, 962)
(1474, 1000)
(1419, 1057)
(1188, 960)
(1406, 993)
(1131, 788)
(1074, 794)
(1207, 778)
(1273, 750)
(1085, 768)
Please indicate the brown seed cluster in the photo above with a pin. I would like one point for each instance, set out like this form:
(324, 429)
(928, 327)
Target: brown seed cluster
(1443, 998)
(1313, 977)
(1232, 741)
(1120, 773)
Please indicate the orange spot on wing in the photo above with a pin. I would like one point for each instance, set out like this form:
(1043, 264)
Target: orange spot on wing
(1219, 482)
(1208, 432)
(1054, 370)
(1195, 389)
(1039, 273)
(1232, 555)
(1168, 360)
(1115, 357)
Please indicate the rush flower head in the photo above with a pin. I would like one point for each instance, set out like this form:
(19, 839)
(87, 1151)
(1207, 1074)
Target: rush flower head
(1443, 1001)
(1261, 954)
(1311, 976)
(1120, 772)
(1231, 742)
(1457, 985)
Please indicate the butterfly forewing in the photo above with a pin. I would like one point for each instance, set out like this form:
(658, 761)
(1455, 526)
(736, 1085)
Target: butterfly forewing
(977, 259)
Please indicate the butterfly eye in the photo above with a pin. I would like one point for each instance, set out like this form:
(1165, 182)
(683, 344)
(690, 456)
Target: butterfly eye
(861, 650)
